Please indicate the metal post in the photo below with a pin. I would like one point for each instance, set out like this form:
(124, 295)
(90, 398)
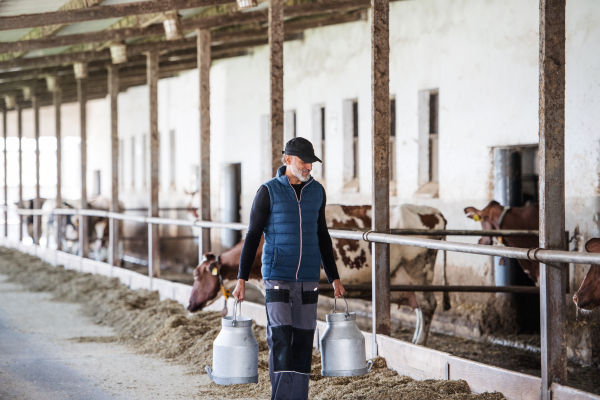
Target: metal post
(153, 235)
(57, 97)
(276, 57)
(552, 192)
(37, 221)
(20, 136)
(4, 125)
(83, 220)
(380, 130)
(204, 63)
(113, 90)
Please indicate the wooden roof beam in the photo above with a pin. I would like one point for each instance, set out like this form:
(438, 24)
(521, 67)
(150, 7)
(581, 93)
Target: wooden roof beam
(86, 56)
(138, 49)
(101, 12)
(189, 24)
(52, 30)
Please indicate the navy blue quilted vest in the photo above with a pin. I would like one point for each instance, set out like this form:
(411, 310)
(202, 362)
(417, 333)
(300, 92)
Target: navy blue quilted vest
(291, 249)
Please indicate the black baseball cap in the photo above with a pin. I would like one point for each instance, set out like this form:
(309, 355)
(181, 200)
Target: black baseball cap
(302, 148)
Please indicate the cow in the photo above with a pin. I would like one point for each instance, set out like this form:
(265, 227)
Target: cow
(215, 274)
(588, 296)
(353, 259)
(29, 205)
(97, 227)
(494, 217)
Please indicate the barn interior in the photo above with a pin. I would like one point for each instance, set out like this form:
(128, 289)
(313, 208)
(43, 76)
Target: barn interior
(179, 110)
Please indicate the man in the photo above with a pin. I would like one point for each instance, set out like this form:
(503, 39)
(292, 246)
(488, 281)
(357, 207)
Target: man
(290, 210)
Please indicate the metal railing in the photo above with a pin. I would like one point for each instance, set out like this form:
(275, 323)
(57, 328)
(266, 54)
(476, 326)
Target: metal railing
(533, 254)
(440, 288)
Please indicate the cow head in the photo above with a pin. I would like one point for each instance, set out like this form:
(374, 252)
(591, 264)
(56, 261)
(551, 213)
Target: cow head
(588, 295)
(206, 282)
(488, 217)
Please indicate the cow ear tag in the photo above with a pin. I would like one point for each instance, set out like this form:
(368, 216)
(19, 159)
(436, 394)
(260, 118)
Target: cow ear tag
(476, 217)
(215, 271)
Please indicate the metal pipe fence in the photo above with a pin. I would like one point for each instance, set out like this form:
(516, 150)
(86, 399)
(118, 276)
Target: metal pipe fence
(463, 232)
(440, 288)
(533, 254)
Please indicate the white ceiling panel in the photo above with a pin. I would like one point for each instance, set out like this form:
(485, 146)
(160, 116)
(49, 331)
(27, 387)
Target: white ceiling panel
(46, 52)
(89, 26)
(18, 7)
(14, 35)
(113, 2)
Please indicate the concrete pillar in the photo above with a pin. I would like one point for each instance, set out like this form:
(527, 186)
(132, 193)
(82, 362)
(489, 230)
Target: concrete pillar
(4, 135)
(204, 62)
(380, 130)
(83, 221)
(153, 235)
(231, 191)
(57, 97)
(113, 91)
(507, 191)
(20, 137)
(553, 277)
(276, 64)
(37, 204)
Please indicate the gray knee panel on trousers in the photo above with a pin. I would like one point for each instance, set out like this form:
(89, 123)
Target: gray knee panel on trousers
(292, 319)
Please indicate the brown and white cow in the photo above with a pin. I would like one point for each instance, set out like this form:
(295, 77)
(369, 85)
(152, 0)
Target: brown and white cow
(408, 265)
(494, 217)
(215, 271)
(353, 259)
(588, 296)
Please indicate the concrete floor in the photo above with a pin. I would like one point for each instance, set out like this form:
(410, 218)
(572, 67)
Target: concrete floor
(48, 350)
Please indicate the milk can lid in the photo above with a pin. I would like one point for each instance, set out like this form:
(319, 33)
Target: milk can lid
(240, 322)
(340, 317)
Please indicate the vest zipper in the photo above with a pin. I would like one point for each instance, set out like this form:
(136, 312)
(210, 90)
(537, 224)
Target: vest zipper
(299, 213)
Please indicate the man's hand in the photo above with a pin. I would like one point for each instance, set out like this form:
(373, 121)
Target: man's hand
(240, 290)
(338, 289)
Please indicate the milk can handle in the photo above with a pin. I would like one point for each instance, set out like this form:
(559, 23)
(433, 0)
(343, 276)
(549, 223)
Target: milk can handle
(235, 307)
(334, 304)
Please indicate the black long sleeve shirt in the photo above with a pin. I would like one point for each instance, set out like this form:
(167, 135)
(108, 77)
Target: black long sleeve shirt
(261, 209)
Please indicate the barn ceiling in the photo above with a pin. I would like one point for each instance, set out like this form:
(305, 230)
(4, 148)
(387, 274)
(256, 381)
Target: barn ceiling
(34, 50)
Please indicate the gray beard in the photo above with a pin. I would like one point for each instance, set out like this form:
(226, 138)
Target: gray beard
(298, 173)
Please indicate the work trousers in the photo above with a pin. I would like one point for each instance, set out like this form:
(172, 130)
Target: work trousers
(292, 319)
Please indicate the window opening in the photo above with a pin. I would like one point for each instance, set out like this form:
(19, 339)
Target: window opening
(428, 167)
(323, 142)
(133, 162)
(97, 183)
(392, 139)
(433, 137)
(145, 160)
(121, 162)
(355, 138)
(172, 157)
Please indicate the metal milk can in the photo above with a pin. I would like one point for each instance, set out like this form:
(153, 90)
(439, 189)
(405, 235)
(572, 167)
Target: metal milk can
(343, 346)
(235, 352)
